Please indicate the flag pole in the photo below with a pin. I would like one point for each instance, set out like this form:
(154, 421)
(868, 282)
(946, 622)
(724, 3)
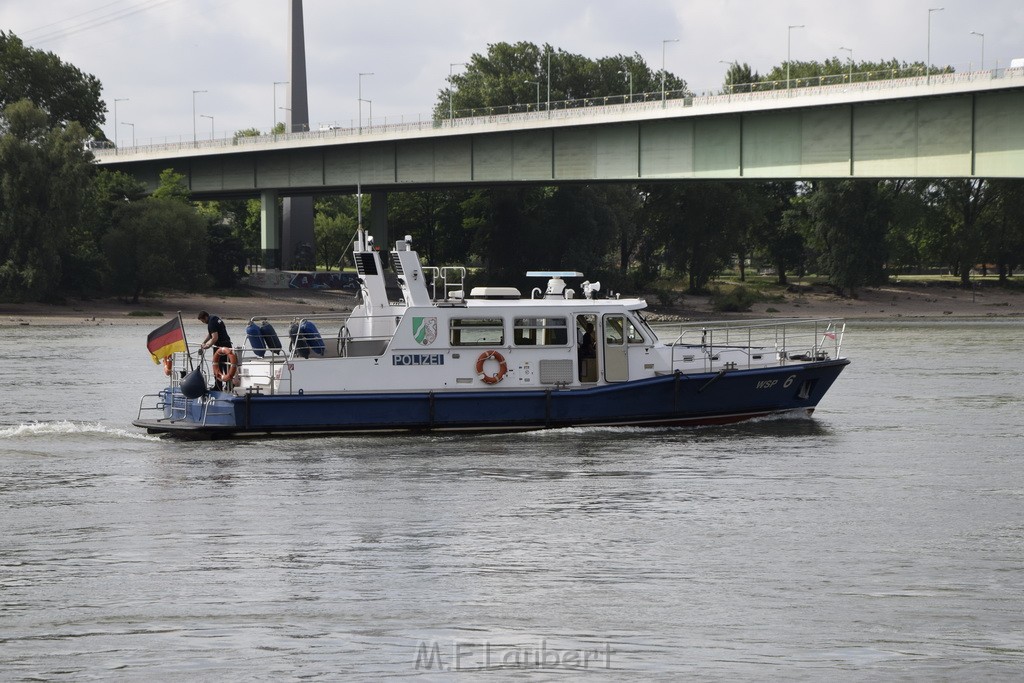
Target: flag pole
(188, 353)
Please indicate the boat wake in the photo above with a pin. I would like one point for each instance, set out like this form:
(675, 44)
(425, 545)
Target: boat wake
(67, 427)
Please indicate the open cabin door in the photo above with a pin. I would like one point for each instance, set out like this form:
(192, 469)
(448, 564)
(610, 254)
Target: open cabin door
(616, 349)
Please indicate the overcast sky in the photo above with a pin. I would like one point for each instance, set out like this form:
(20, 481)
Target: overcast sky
(154, 53)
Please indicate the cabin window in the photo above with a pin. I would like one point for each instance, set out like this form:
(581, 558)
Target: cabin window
(541, 331)
(633, 335)
(476, 332)
(614, 332)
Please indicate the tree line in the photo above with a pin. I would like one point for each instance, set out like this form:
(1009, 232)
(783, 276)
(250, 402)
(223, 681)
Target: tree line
(69, 228)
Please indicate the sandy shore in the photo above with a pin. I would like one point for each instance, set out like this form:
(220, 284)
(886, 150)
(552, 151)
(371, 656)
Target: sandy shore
(235, 309)
(894, 301)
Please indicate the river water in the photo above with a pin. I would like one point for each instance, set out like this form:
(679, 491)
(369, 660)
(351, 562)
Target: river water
(882, 538)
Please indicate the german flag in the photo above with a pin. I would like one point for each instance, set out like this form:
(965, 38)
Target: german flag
(166, 339)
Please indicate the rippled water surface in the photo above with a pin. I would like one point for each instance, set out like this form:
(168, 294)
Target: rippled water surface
(883, 538)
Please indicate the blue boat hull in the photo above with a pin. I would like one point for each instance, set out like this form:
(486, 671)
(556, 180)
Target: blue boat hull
(697, 399)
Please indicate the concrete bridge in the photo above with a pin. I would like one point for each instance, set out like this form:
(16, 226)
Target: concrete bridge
(942, 126)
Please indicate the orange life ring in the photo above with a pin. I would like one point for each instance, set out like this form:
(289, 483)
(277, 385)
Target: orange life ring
(168, 364)
(228, 374)
(502, 368)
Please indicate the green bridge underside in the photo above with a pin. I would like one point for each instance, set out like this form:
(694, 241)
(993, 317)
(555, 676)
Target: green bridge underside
(961, 135)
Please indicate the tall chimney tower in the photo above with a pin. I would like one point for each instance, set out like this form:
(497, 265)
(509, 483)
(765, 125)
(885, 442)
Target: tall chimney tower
(298, 211)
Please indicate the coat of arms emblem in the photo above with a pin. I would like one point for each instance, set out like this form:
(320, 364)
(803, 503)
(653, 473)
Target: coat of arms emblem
(424, 330)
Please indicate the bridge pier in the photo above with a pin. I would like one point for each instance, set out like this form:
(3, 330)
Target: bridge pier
(270, 230)
(379, 220)
(298, 231)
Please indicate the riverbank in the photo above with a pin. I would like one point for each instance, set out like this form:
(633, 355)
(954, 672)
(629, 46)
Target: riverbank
(891, 301)
(150, 311)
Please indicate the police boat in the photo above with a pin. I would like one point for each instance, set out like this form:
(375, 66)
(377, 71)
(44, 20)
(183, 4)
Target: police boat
(439, 359)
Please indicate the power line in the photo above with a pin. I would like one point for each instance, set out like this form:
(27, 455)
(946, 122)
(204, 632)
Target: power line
(96, 22)
(73, 16)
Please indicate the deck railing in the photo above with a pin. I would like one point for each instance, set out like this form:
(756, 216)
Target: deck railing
(721, 343)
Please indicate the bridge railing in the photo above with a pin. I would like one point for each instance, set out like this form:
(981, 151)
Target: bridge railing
(864, 82)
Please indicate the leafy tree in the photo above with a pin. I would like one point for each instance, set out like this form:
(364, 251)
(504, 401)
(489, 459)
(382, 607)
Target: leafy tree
(112, 189)
(334, 225)
(225, 253)
(496, 215)
(907, 237)
(244, 217)
(1005, 238)
(153, 243)
(172, 186)
(435, 220)
(738, 78)
(574, 227)
(778, 237)
(849, 219)
(43, 171)
(698, 223)
(63, 92)
(579, 230)
(507, 74)
(966, 207)
(747, 218)
(837, 70)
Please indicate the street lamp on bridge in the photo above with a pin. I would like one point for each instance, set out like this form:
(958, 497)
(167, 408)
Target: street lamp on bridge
(273, 129)
(360, 100)
(630, 74)
(982, 36)
(125, 123)
(850, 50)
(116, 100)
(451, 112)
(195, 141)
(207, 116)
(789, 49)
(663, 44)
(928, 61)
(536, 83)
(369, 118)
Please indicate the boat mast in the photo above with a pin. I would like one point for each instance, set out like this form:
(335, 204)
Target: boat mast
(360, 235)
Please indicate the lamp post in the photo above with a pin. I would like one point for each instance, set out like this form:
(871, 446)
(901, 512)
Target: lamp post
(536, 83)
(548, 105)
(630, 74)
(451, 112)
(982, 36)
(360, 99)
(928, 61)
(207, 116)
(369, 119)
(125, 123)
(273, 128)
(663, 44)
(850, 50)
(194, 93)
(789, 49)
(116, 100)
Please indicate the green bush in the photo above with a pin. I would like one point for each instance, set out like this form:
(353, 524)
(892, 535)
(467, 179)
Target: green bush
(735, 300)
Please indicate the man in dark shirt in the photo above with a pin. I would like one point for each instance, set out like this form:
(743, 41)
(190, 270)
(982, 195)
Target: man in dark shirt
(217, 335)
